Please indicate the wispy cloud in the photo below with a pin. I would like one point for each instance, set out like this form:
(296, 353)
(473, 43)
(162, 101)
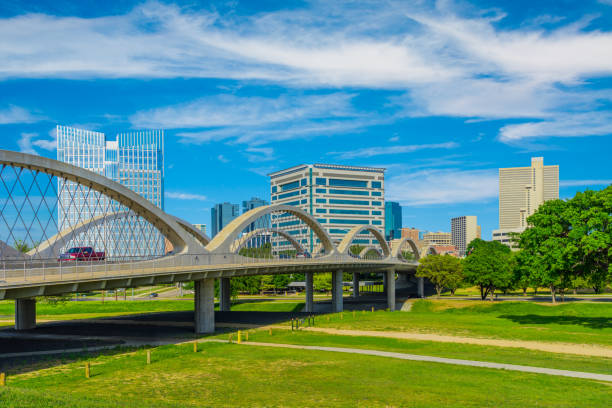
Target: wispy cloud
(16, 114)
(387, 150)
(563, 125)
(443, 186)
(587, 182)
(25, 143)
(222, 158)
(185, 196)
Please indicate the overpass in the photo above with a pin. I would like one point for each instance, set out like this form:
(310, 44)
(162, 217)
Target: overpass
(189, 255)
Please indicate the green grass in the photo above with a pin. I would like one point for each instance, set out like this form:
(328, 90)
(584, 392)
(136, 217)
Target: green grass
(576, 322)
(233, 375)
(495, 354)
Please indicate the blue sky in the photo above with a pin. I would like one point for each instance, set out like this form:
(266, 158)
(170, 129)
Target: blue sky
(442, 93)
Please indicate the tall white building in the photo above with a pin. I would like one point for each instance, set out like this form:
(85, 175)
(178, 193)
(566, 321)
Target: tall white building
(340, 197)
(521, 191)
(135, 160)
(464, 229)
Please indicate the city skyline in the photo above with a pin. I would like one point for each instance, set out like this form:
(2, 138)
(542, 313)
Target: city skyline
(441, 123)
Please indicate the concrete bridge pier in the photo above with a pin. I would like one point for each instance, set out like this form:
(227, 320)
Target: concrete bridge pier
(421, 287)
(355, 285)
(225, 295)
(337, 302)
(309, 308)
(384, 276)
(204, 305)
(25, 314)
(390, 274)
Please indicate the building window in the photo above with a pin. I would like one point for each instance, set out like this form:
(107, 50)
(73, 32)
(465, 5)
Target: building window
(376, 193)
(321, 181)
(321, 201)
(352, 212)
(376, 213)
(376, 222)
(348, 183)
(290, 186)
(376, 203)
(349, 192)
(376, 184)
(321, 211)
(321, 191)
(348, 202)
(338, 221)
(293, 193)
(274, 189)
(303, 183)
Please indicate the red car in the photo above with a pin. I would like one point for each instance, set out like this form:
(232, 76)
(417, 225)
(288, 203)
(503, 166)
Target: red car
(82, 254)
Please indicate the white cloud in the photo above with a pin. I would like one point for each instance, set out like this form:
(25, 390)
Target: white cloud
(25, 143)
(16, 114)
(185, 196)
(443, 186)
(564, 125)
(222, 158)
(378, 151)
(573, 183)
(259, 154)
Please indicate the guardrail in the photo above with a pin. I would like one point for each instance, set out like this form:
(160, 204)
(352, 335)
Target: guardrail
(45, 270)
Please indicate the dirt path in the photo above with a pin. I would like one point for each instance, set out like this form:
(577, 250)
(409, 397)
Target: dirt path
(565, 348)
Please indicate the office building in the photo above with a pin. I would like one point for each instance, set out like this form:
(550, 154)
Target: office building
(411, 233)
(393, 220)
(263, 222)
(521, 191)
(134, 159)
(341, 197)
(201, 228)
(464, 229)
(437, 239)
(221, 215)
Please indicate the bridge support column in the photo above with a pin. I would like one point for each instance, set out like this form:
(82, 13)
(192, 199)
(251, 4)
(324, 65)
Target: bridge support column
(204, 305)
(25, 314)
(355, 285)
(309, 308)
(225, 295)
(384, 276)
(421, 287)
(337, 305)
(390, 274)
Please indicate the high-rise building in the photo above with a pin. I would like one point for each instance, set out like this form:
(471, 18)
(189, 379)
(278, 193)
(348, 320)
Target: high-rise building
(221, 215)
(521, 191)
(134, 159)
(463, 230)
(411, 233)
(341, 197)
(201, 227)
(393, 220)
(437, 238)
(263, 222)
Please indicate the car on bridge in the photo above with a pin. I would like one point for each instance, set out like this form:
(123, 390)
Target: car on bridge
(82, 254)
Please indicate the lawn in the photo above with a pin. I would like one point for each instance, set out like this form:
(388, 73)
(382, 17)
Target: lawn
(572, 322)
(494, 354)
(234, 375)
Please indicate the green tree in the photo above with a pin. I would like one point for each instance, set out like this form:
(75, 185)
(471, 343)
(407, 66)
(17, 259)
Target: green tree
(488, 265)
(444, 271)
(322, 281)
(22, 246)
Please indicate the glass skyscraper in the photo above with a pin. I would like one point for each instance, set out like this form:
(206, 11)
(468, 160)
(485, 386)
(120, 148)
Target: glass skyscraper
(221, 215)
(135, 160)
(393, 220)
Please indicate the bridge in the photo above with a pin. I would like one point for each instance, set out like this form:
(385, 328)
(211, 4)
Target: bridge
(47, 206)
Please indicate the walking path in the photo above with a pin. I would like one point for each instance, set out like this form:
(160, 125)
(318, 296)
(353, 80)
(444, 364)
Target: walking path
(454, 361)
(564, 348)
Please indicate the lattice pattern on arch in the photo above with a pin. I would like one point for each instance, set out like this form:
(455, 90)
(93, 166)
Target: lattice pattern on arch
(42, 216)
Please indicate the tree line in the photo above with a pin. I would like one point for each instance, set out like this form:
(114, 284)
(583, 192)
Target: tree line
(567, 246)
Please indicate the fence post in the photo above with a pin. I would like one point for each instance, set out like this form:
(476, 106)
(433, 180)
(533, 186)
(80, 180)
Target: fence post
(87, 373)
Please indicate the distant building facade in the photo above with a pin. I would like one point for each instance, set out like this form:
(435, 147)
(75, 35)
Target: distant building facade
(340, 197)
(521, 191)
(221, 215)
(437, 238)
(201, 228)
(263, 222)
(464, 229)
(135, 160)
(393, 220)
(411, 233)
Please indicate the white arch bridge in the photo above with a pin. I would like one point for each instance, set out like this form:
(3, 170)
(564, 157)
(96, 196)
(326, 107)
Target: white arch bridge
(90, 208)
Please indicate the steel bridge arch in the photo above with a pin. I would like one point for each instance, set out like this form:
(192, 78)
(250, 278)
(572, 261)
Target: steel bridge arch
(396, 248)
(345, 244)
(241, 242)
(165, 223)
(222, 242)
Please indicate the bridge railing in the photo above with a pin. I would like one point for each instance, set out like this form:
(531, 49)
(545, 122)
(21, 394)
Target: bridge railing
(24, 271)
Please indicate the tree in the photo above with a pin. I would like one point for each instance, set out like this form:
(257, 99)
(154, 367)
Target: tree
(322, 281)
(488, 265)
(22, 246)
(444, 271)
(522, 278)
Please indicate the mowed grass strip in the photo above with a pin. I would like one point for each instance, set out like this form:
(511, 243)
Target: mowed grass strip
(493, 354)
(234, 375)
(581, 323)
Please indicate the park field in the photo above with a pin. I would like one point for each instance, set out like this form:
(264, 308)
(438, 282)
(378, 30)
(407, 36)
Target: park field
(237, 375)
